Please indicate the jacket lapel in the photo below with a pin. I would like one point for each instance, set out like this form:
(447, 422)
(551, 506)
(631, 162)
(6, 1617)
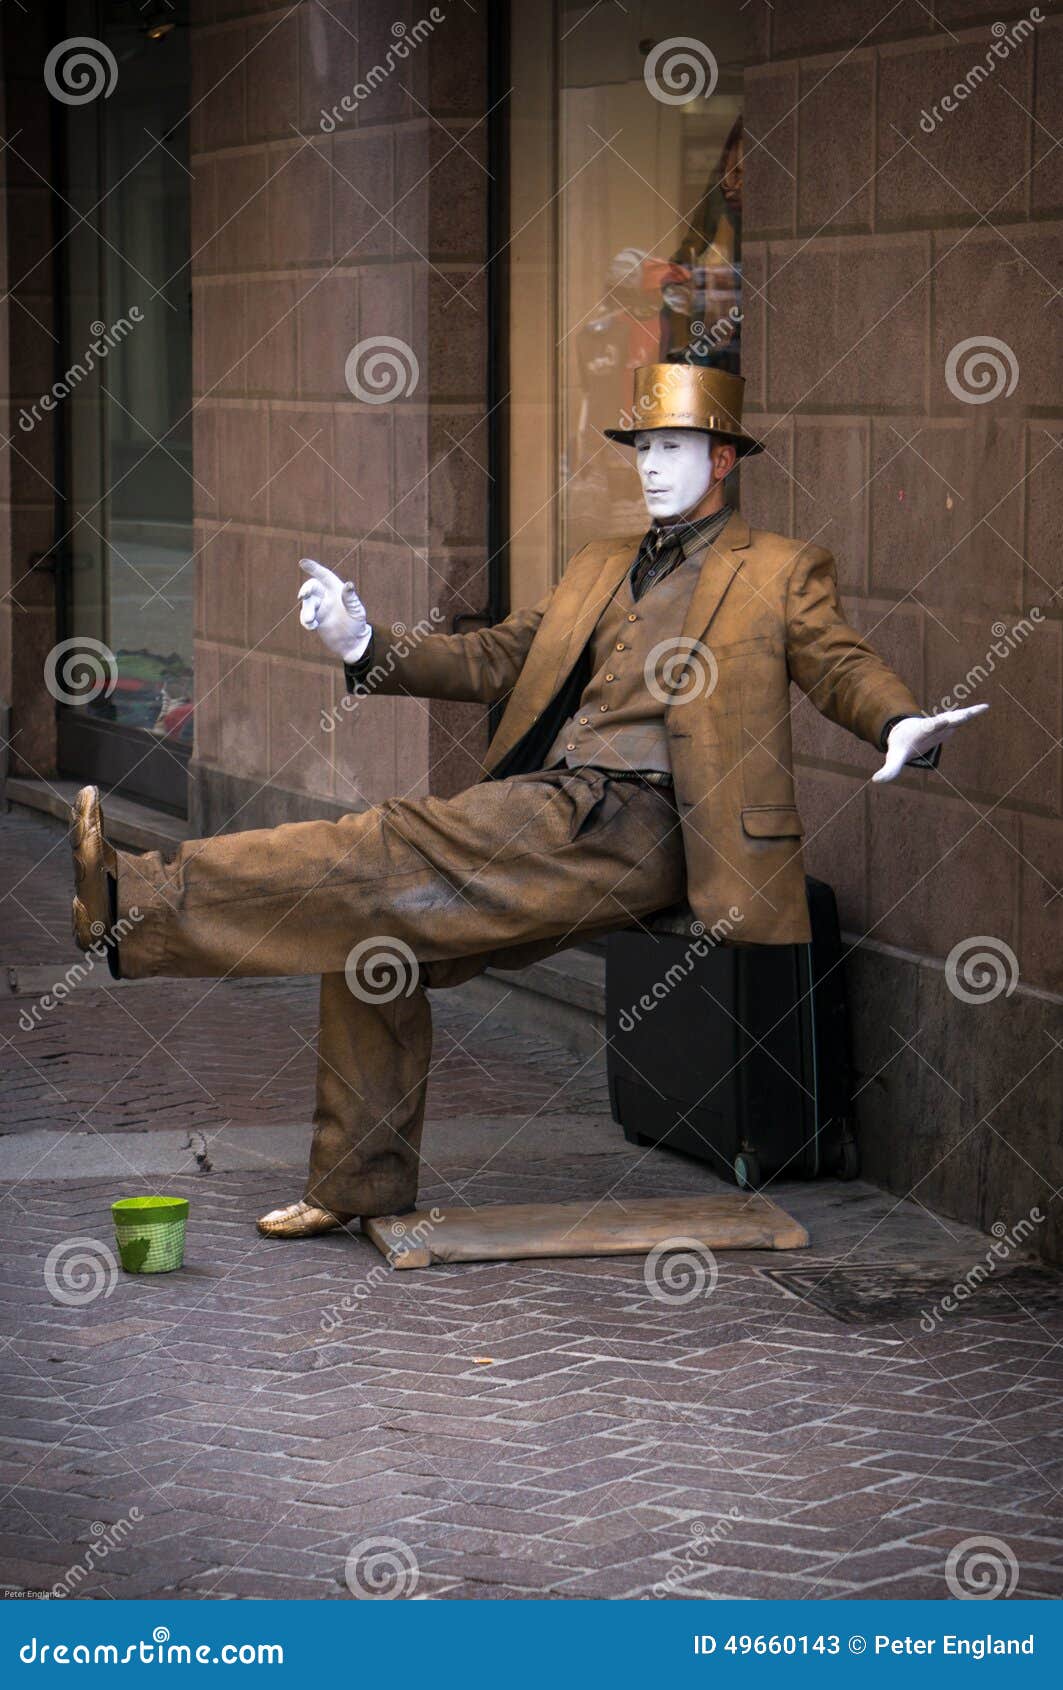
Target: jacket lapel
(616, 565)
(522, 713)
(723, 560)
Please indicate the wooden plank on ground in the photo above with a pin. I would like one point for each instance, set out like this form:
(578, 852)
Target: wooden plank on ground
(729, 1220)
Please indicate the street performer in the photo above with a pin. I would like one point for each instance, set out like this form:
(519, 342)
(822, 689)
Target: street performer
(643, 759)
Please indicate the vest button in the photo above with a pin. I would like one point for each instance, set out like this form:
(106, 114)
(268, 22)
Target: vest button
(610, 677)
(619, 645)
(631, 616)
(570, 746)
(583, 721)
(603, 706)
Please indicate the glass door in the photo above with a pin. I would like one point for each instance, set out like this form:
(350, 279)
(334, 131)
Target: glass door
(121, 83)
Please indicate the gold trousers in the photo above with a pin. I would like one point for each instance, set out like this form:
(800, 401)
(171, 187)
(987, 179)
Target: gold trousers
(410, 894)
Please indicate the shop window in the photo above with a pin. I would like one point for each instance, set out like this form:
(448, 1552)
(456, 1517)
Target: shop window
(125, 543)
(626, 162)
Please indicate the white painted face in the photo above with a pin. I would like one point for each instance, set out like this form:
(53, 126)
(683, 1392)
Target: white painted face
(675, 469)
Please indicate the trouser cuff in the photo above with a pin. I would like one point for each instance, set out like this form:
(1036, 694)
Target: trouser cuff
(363, 1194)
(141, 915)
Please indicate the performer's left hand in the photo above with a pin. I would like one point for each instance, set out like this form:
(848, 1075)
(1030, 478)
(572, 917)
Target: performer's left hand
(915, 735)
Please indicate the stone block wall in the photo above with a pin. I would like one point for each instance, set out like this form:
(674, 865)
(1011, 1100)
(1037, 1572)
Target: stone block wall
(319, 228)
(904, 261)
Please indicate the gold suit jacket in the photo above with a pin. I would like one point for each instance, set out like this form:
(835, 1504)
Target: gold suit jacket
(764, 613)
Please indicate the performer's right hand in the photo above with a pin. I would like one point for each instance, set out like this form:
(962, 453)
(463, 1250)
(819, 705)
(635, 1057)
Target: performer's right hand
(334, 610)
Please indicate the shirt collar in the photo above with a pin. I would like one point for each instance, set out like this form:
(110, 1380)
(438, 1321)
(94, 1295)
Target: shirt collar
(692, 536)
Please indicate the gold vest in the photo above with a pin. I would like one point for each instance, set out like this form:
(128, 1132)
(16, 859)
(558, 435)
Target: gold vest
(620, 720)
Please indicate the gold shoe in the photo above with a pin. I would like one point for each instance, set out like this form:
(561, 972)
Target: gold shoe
(300, 1220)
(94, 859)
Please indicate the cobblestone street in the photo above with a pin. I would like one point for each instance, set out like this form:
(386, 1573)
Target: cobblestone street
(296, 1420)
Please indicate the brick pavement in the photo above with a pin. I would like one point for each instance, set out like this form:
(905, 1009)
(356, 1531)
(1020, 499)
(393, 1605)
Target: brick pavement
(562, 1429)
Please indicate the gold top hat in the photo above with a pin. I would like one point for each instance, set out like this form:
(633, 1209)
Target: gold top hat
(686, 396)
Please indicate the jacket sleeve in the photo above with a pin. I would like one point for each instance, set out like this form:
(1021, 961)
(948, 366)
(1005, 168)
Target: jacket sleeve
(477, 668)
(843, 676)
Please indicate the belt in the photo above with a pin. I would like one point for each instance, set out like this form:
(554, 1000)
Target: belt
(647, 777)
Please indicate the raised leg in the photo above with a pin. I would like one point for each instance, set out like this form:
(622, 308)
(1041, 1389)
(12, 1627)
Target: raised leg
(374, 903)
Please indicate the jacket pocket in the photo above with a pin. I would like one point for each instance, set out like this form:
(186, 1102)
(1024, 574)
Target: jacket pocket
(724, 649)
(772, 821)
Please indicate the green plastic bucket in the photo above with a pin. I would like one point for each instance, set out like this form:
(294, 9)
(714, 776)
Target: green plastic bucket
(150, 1232)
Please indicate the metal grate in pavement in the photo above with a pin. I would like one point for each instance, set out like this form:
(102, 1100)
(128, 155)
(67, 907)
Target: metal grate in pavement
(866, 1293)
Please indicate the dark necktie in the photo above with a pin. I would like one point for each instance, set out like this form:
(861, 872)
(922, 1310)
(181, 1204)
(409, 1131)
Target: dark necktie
(662, 548)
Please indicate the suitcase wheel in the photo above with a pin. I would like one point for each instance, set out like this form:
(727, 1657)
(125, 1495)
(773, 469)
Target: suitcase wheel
(746, 1167)
(848, 1165)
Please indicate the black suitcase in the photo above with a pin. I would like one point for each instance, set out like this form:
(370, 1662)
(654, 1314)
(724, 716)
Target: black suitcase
(738, 1055)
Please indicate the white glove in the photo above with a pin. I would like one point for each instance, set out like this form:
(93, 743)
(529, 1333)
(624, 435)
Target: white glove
(915, 735)
(333, 608)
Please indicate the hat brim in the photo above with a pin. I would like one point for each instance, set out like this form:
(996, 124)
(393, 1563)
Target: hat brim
(744, 444)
